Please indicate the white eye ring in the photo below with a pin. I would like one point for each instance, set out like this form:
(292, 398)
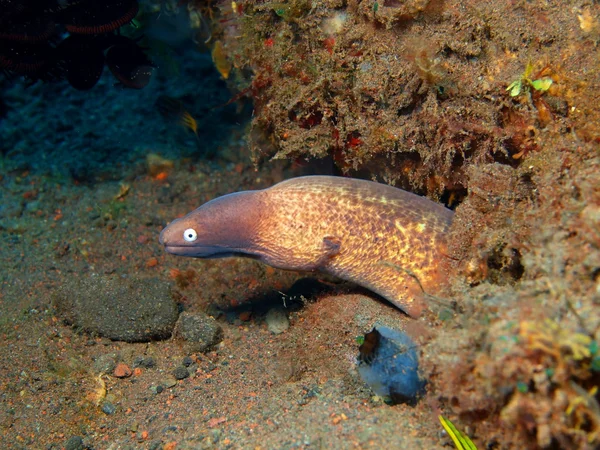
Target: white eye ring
(190, 235)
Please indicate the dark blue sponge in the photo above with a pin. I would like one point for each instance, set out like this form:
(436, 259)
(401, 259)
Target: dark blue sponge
(389, 364)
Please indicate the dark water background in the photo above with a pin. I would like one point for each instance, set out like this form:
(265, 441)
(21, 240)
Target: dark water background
(55, 130)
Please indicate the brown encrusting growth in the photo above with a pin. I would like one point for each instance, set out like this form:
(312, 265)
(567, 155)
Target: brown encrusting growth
(378, 236)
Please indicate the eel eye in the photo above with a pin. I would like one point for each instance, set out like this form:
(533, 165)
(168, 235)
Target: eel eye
(190, 235)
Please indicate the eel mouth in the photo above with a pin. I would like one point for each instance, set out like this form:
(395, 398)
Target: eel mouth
(177, 249)
(195, 251)
(188, 250)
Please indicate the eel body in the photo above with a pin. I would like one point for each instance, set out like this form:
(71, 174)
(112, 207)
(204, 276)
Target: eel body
(388, 240)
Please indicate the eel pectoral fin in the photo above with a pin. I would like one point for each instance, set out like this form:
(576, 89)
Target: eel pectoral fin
(309, 258)
(329, 248)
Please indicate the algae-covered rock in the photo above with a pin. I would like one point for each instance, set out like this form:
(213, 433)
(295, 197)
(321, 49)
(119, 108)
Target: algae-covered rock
(121, 309)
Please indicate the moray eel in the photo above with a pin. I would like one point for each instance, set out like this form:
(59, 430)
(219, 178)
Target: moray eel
(377, 236)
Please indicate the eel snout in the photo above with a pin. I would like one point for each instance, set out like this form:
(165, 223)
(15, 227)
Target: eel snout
(219, 228)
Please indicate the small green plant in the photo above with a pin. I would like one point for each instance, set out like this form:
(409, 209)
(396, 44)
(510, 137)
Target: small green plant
(595, 364)
(525, 82)
(461, 441)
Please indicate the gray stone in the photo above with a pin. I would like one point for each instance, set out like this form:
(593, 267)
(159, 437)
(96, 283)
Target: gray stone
(131, 310)
(181, 373)
(108, 408)
(200, 331)
(277, 320)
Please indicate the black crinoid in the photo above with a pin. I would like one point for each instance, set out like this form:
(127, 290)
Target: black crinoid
(73, 39)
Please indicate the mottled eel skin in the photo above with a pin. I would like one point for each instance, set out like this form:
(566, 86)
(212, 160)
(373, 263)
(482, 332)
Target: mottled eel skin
(380, 237)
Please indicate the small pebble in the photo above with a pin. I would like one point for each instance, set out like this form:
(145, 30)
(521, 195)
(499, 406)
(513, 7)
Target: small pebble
(181, 373)
(122, 371)
(188, 361)
(108, 408)
(157, 389)
(169, 382)
(277, 321)
(145, 362)
(105, 363)
(141, 436)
